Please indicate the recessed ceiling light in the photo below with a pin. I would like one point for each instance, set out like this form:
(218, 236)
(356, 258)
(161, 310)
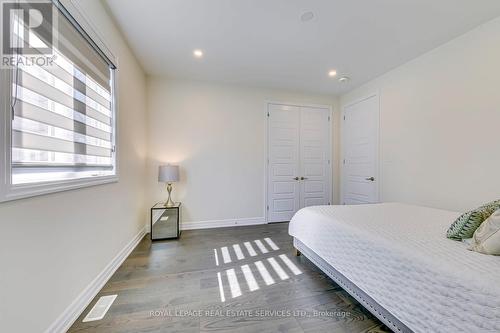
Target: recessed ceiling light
(344, 79)
(198, 53)
(332, 73)
(307, 16)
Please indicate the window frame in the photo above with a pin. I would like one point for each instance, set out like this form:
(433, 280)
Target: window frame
(9, 191)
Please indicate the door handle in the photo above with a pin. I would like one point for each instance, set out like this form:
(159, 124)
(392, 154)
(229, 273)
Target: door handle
(303, 178)
(296, 178)
(372, 179)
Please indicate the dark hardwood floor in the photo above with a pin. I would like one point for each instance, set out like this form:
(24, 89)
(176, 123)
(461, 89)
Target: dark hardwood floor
(173, 286)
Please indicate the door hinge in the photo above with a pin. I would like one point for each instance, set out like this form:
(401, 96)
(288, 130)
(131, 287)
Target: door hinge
(328, 118)
(344, 161)
(328, 161)
(267, 207)
(344, 117)
(268, 114)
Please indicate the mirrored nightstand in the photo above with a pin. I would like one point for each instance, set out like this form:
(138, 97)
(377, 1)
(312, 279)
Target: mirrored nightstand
(165, 221)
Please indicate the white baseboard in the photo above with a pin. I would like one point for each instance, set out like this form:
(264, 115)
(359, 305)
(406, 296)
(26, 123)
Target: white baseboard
(222, 223)
(75, 309)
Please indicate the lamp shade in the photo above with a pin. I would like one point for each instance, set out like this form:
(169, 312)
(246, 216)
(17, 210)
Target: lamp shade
(168, 173)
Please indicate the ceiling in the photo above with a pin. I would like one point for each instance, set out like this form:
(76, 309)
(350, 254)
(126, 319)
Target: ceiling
(264, 42)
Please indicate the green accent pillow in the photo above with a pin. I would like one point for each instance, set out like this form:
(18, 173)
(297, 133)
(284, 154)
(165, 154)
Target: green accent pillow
(467, 223)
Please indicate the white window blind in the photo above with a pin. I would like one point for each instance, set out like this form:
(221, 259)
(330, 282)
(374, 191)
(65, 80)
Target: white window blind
(63, 121)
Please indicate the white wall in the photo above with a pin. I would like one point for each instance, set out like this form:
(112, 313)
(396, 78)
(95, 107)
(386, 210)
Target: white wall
(53, 246)
(440, 117)
(216, 133)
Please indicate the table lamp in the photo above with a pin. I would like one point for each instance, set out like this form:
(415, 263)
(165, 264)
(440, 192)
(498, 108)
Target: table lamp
(168, 174)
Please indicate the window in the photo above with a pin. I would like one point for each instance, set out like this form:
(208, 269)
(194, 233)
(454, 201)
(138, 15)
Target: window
(61, 119)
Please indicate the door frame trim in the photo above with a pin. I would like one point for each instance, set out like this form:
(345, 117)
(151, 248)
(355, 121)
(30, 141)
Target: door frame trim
(343, 142)
(266, 148)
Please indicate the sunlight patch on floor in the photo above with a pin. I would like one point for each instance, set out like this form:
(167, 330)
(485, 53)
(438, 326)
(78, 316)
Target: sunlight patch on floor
(277, 268)
(271, 244)
(250, 249)
(251, 282)
(221, 288)
(225, 255)
(233, 283)
(239, 253)
(268, 269)
(264, 273)
(216, 257)
(261, 246)
(295, 270)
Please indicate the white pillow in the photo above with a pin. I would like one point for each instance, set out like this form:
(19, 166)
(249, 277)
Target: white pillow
(486, 238)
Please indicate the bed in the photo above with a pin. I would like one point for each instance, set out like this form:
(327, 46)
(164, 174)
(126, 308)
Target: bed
(395, 260)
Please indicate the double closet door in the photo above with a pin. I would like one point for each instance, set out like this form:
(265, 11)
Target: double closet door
(299, 165)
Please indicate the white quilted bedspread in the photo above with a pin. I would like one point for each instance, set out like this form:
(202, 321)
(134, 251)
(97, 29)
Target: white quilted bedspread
(399, 255)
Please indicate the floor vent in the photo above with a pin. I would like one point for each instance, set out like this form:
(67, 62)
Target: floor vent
(100, 308)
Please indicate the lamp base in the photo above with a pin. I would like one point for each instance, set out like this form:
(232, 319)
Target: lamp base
(169, 202)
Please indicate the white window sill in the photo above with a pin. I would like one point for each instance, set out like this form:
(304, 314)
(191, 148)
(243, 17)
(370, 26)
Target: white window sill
(31, 190)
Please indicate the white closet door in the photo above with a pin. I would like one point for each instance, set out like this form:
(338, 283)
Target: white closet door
(299, 171)
(283, 188)
(314, 157)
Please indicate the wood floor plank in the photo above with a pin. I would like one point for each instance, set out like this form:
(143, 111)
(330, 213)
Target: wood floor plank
(173, 286)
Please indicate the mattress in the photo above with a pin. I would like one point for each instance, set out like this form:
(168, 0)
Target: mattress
(399, 255)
